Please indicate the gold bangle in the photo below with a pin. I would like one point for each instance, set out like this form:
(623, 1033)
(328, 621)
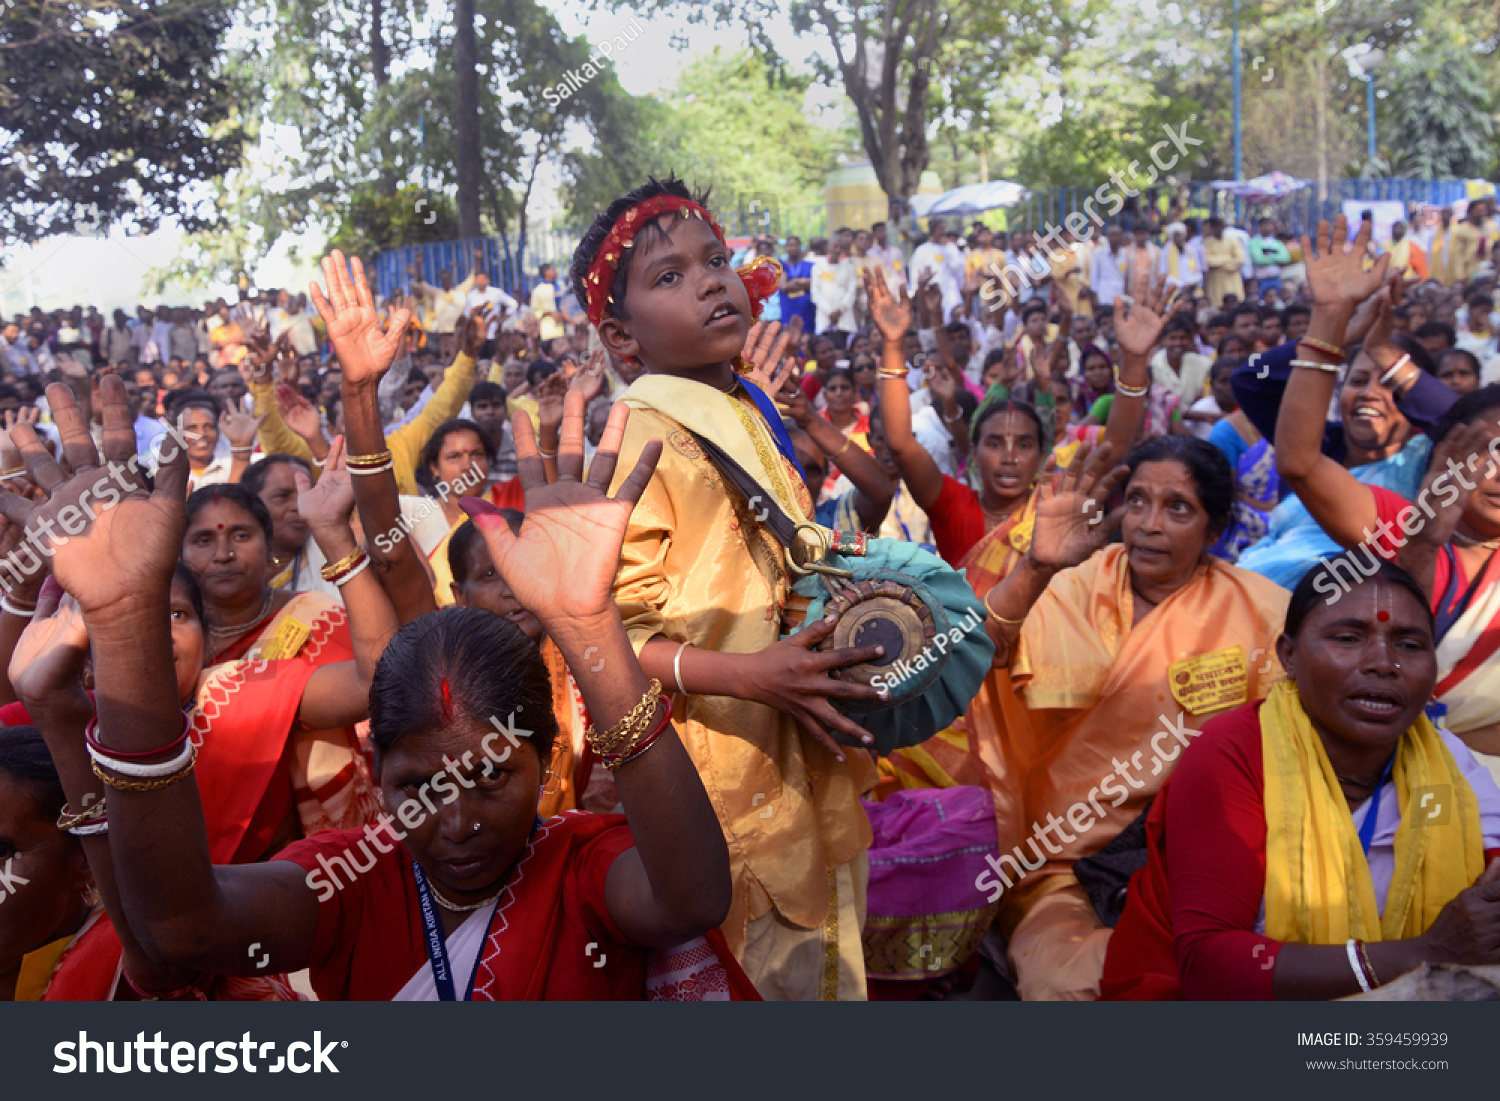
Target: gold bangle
(848, 443)
(1130, 391)
(367, 462)
(1322, 346)
(67, 820)
(331, 570)
(624, 733)
(990, 613)
(147, 785)
(886, 372)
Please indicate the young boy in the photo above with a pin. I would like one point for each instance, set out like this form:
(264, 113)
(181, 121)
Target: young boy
(702, 586)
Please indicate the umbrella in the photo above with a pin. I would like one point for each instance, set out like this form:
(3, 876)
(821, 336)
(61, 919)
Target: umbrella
(969, 199)
(1278, 185)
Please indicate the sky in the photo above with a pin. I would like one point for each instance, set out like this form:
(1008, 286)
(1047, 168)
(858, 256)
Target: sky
(107, 271)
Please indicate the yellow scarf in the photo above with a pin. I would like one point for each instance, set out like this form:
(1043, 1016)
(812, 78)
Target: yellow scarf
(1318, 886)
(731, 422)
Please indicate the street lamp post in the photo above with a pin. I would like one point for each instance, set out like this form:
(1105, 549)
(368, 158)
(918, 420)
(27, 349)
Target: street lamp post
(1239, 172)
(1363, 65)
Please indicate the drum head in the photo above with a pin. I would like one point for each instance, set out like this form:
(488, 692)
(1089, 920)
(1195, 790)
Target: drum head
(886, 614)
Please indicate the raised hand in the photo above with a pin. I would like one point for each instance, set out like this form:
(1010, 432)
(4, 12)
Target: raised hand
(50, 654)
(562, 566)
(131, 544)
(793, 399)
(944, 387)
(365, 351)
(259, 354)
(766, 352)
(1137, 331)
(298, 412)
(1335, 273)
(473, 331)
(892, 315)
(1070, 520)
(330, 503)
(590, 380)
(240, 428)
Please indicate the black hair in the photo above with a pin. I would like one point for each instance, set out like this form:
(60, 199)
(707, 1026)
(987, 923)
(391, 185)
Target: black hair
(1241, 310)
(434, 447)
(1178, 323)
(1471, 407)
(594, 237)
(25, 759)
(1218, 321)
(485, 390)
(234, 493)
(993, 356)
(1032, 307)
(844, 373)
(1437, 328)
(1326, 577)
(1219, 365)
(195, 594)
(1470, 357)
(1206, 465)
(1481, 300)
(1006, 405)
(254, 479)
(178, 402)
(821, 338)
(466, 534)
(540, 369)
(1295, 311)
(954, 328)
(467, 662)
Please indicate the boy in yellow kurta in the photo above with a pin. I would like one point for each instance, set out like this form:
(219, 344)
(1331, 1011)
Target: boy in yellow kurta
(702, 587)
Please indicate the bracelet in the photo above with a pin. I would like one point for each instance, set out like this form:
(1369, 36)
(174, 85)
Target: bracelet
(848, 443)
(677, 669)
(1364, 958)
(1389, 376)
(16, 610)
(1318, 365)
(1322, 346)
(886, 372)
(360, 471)
(645, 742)
(1131, 391)
(241, 450)
(148, 785)
(367, 462)
(91, 830)
(344, 579)
(997, 617)
(332, 569)
(620, 737)
(12, 472)
(545, 454)
(66, 819)
(91, 739)
(146, 772)
(1351, 949)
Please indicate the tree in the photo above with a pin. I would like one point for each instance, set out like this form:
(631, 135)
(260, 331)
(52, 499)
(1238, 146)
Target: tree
(109, 109)
(905, 63)
(1441, 114)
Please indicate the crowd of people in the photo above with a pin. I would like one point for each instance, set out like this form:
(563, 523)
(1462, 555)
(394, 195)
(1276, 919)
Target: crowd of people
(543, 646)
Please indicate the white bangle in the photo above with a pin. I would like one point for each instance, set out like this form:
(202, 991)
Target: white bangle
(1387, 378)
(147, 772)
(677, 668)
(90, 829)
(19, 613)
(1318, 365)
(355, 572)
(1354, 965)
(372, 470)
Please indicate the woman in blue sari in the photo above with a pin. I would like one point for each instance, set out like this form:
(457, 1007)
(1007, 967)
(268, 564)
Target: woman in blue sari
(1381, 436)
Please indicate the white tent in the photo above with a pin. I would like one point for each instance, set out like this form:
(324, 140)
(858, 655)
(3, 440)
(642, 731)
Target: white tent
(969, 199)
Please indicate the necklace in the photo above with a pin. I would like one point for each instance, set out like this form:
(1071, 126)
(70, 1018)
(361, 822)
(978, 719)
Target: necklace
(241, 628)
(455, 908)
(1467, 541)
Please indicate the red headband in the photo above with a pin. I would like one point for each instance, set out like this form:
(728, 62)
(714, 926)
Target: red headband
(761, 276)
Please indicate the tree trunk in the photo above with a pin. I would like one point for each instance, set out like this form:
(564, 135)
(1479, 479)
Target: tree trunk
(380, 66)
(1320, 118)
(466, 119)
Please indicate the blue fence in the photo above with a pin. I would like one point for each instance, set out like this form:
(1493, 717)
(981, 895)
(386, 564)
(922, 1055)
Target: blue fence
(1300, 210)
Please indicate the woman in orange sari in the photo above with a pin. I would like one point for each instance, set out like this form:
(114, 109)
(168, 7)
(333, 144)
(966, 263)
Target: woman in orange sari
(1115, 655)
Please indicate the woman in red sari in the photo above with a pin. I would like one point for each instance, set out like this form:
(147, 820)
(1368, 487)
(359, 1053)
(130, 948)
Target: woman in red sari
(471, 897)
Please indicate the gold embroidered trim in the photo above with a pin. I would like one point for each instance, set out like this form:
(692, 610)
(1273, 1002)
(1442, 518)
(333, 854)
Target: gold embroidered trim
(830, 991)
(770, 461)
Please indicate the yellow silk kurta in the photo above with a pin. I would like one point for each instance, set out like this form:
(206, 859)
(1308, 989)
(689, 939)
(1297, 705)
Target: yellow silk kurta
(1224, 258)
(696, 567)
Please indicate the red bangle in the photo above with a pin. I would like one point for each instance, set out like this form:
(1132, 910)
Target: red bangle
(91, 736)
(645, 743)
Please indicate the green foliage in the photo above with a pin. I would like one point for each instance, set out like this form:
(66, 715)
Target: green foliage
(373, 221)
(109, 109)
(726, 125)
(1441, 114)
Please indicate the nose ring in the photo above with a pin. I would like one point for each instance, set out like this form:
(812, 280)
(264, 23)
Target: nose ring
(476, 827)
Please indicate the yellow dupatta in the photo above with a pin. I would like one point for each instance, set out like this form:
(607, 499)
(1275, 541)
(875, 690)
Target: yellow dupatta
(1318, 886)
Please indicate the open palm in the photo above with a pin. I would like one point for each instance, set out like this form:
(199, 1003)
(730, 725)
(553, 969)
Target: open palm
(1338, 277)
(562, 566)
(132, 543)
(365, 351)
(1137, 331)
(1070, 520)
(892, 315)
(50, 654)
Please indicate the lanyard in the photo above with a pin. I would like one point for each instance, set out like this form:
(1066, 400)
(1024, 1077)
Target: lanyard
(437, 949)
(1367, 827)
